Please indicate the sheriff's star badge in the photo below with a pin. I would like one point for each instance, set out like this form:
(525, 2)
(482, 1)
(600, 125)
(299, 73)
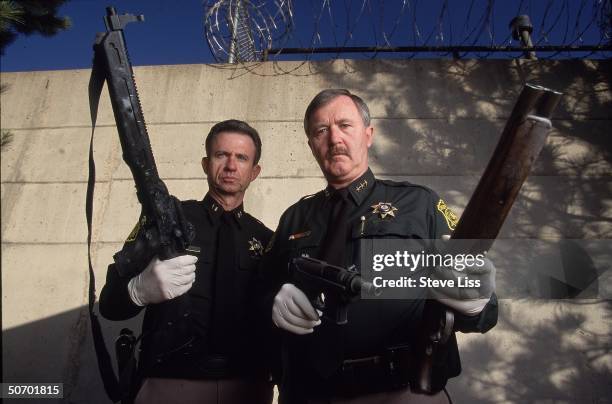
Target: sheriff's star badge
(384, 209)
(255, 246)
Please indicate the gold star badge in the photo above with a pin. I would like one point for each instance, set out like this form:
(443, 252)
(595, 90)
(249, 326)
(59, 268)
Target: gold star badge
(384, 209)
(255, 246)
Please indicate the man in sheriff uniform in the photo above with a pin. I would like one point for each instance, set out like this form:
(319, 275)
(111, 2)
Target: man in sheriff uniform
(323, 362)
(212, 352)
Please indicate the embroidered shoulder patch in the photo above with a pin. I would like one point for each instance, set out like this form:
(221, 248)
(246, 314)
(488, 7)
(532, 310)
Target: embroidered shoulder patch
(449, 216)
(136, 229)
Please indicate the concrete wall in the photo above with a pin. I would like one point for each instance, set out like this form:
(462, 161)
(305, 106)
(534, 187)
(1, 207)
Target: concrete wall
(437, 123)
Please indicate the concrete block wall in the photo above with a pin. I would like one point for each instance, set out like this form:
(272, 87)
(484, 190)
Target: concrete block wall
(436, 123)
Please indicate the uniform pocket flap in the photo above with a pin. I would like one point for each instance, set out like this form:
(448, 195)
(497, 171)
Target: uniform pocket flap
(387, 229)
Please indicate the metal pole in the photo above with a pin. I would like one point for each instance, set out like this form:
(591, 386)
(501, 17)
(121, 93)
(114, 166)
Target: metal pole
(521, 30)
(233, 48)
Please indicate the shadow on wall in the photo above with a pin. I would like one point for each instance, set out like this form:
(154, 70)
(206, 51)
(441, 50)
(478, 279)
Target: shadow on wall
(450, 129)
(554, 360)
(43, 352)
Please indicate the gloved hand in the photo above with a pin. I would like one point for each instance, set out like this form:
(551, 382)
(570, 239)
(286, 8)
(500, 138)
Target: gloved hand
(163, 280)
(473, 286)
(293, 312)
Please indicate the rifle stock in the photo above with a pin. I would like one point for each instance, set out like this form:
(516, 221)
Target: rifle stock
(520, 144)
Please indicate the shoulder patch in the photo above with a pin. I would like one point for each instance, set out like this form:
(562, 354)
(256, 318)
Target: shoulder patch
(449, 216)
(134, 233)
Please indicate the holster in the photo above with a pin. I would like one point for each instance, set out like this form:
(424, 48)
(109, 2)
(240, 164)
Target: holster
(127, 365)
(388, 371)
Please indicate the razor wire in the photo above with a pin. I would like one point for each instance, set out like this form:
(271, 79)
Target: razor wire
(250, 31)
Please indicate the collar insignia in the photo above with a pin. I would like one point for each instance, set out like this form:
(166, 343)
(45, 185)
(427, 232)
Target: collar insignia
(362, 186)
(255, 246)
(384, 209)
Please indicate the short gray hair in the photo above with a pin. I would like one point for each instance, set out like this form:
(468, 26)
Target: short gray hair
(326, 96)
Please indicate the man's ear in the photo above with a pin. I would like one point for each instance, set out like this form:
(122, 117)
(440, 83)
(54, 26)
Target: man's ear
(255, 171)
(369, 135)
(205, 165)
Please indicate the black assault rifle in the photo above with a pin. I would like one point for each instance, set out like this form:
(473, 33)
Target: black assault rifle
(163, 230)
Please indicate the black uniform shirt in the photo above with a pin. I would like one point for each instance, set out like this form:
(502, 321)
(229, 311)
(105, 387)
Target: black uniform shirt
(250, 235)
(373, 325)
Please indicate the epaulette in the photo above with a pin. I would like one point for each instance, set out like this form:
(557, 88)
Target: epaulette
(399, 184)
(305, 200)
(190, 202)
(256, 219)
(309, 196)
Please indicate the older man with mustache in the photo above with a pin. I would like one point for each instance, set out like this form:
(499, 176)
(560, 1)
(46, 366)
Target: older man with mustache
(371, 358)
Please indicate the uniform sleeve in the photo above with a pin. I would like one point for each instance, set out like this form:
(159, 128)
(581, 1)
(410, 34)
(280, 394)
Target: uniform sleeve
(273, 268)
(483, 322)
(271, 278)
(444, 223)
(115, 301)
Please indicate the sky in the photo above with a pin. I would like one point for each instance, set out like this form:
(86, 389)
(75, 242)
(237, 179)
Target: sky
(173, 31)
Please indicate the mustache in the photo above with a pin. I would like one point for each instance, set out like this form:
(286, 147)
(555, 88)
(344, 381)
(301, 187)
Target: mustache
(337, 151)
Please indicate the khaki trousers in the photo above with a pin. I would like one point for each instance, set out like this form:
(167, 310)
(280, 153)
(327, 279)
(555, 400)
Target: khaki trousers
(392, 397)
(183, 391)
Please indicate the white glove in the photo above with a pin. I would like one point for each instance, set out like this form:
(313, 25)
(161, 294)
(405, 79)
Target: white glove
(293, 312)
(469, 307)
(468, 300)
(163, 280)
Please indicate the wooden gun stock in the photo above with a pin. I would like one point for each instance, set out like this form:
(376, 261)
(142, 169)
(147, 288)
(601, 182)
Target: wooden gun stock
(520, 144)
(521, 141)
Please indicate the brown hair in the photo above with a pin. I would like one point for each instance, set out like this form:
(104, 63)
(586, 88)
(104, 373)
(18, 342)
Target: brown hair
(234, 125)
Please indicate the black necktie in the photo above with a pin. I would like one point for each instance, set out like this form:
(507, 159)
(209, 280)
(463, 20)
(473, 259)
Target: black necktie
(327, 348)
(224, 303)
(334, 243)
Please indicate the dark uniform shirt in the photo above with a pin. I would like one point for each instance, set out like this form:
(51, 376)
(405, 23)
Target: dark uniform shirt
(181, 346)
(373, 325)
